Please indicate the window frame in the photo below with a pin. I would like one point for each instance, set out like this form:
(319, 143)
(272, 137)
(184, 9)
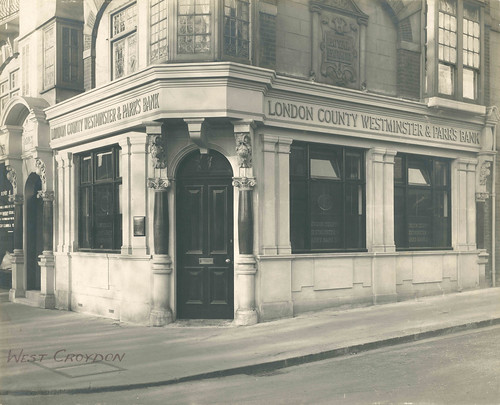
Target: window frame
(435, 189)
(309, 179)
(167, 19)
(431, 59)
(224, 55)
(123, 35)
(114, 182)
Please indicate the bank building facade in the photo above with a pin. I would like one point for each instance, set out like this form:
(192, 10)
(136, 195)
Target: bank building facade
(244, 159)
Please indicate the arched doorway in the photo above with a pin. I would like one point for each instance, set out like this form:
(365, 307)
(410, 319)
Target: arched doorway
(205, 272)
(34, 231)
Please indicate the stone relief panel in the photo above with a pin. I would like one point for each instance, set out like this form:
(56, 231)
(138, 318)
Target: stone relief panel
(338, 35)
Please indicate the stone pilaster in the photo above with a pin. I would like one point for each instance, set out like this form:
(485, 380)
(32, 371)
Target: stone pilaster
(380, 200)
(18, 269)
(161, 314)
(246, 268)
(46, 259)
(464, 207)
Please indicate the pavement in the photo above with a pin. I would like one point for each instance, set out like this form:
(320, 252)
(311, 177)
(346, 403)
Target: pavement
(50, 351)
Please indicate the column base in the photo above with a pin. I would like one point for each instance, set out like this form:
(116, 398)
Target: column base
(16, 293)
(160, 317)
(47, 301)
(246, 317)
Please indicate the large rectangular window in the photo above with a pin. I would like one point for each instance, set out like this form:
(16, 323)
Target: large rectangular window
(100, 213)
(327, 198)
(422, 202)
(49, 57)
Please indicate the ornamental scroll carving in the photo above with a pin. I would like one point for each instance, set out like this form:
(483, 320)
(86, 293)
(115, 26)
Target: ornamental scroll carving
(157, 149)
(484, 172)
(244, 183)
(46, 195)
(158, 184)
(41, 170)
(12, 177)
(244, 149)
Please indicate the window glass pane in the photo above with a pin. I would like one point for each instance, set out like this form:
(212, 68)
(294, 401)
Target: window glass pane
(326, 215)
(86, 169)
(354, 216)
(469, 85)
(298, 215)
(298, 161)
(441, 220)
(125, 20)
(194, 26)
(158, 33)
(446, 79)
(419, 218)
(119, 58)
(132, 53)
(84, 217)
(104, 165)
(440, 173)
(325, 165)
(400, 234)
(419, 172)
(352, 166)
(398, 169)
(103, 216)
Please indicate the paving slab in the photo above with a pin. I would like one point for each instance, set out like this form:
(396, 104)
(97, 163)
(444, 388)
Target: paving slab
(49, 351)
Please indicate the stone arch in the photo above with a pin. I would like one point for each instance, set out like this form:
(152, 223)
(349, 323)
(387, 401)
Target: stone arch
(92, 25)
(18, 108)
(179, 157)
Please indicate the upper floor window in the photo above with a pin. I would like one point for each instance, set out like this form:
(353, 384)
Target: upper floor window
(194, 26)
(237, 28)
(456, 48)
(158, 39)
(124, 41)
(62, 57)
(49, 57)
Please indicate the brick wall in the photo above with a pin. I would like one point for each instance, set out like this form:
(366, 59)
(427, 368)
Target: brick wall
(408, 74)
(267, 40)
(87, 73)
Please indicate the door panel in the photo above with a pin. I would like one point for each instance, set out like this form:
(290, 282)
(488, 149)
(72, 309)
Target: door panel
(204, 234)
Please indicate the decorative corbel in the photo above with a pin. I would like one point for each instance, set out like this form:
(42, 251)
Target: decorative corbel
(243, 149)
(158, 183)
(482, 175)
(12, 177)
(198, 133)
(41, 170)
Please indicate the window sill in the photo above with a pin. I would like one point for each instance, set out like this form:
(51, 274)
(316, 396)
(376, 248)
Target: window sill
(444, 103)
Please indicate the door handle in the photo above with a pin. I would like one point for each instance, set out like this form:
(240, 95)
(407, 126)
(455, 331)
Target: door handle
(228, 260)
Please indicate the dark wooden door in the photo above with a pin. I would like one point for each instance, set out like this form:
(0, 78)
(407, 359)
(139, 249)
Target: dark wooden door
(205, 237)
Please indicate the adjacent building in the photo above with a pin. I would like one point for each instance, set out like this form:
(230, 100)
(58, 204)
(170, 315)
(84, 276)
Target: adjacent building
(247, 159)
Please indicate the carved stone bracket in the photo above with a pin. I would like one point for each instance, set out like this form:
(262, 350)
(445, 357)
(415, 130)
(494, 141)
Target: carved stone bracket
(46, 195)
(157, 149)
(158, 184)
(244, 149)
(482, 197)
(244, 183)
(16, 199)
(12, 177)
(484, 172)
(41, 171)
